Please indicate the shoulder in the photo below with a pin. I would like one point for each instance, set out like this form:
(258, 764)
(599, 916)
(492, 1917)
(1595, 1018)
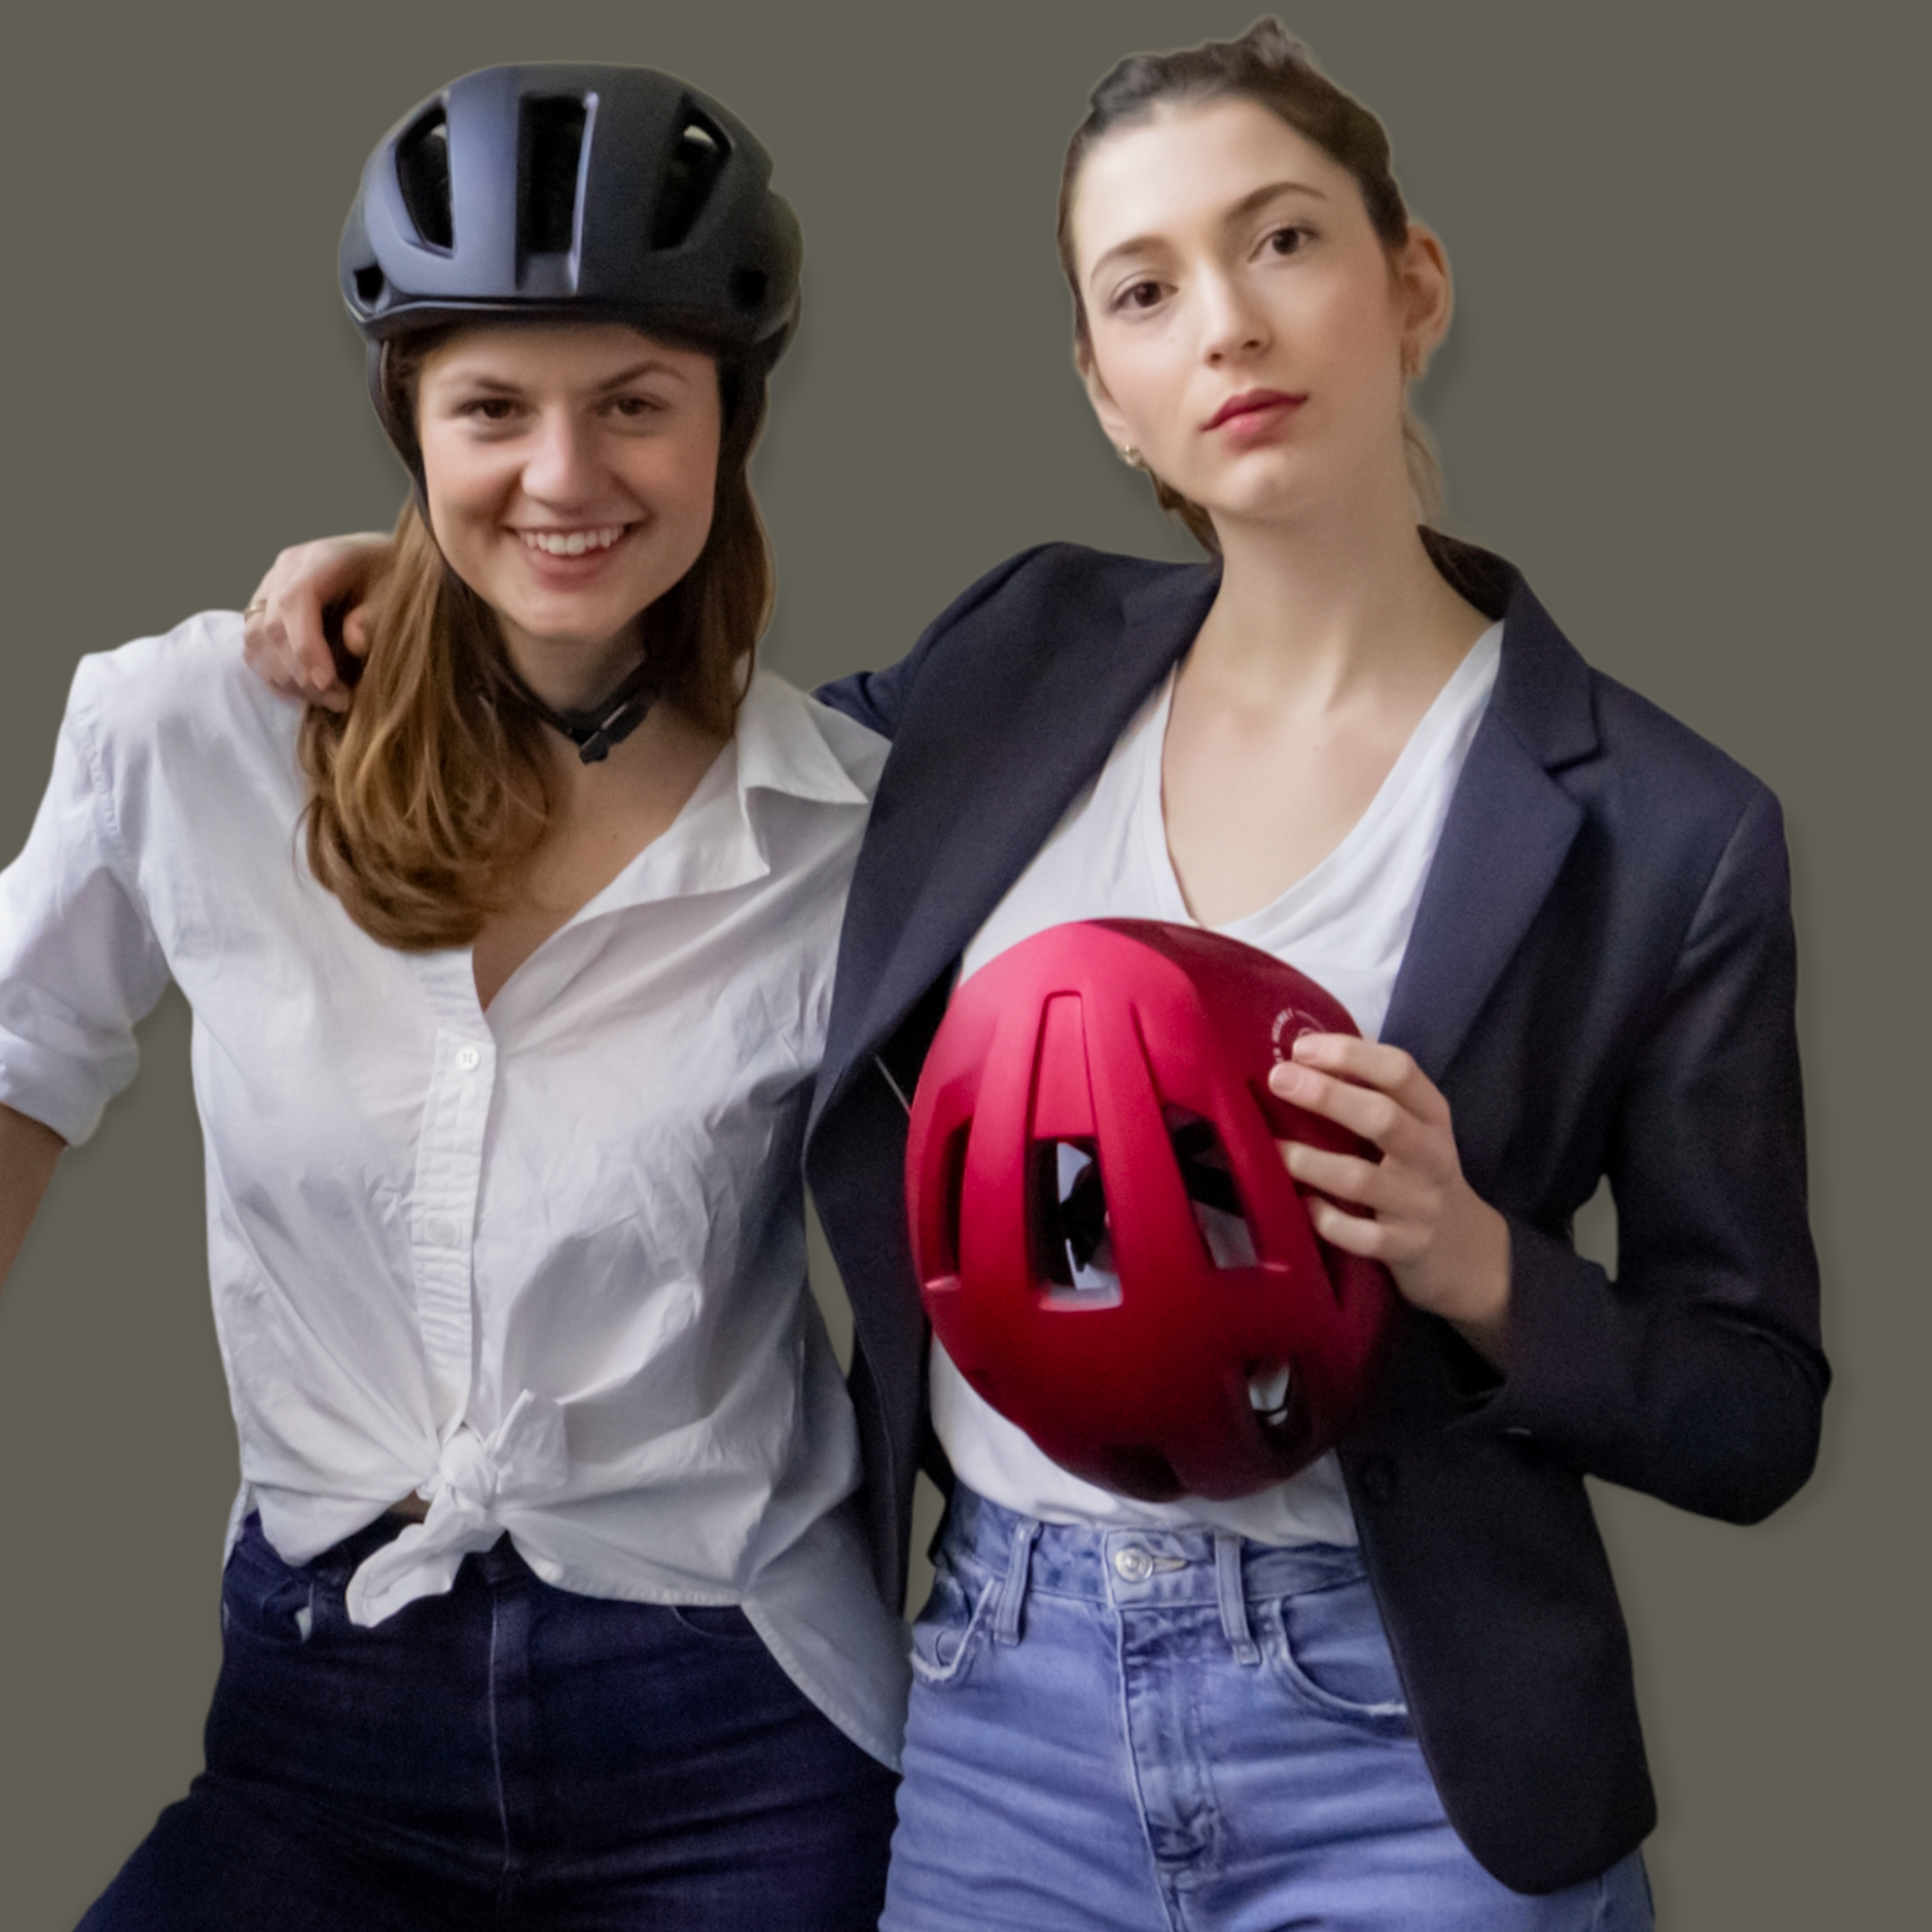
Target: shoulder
(1676, 801)
(1643, 772)
(993, 640)
(790, 742)
(1057, 581)
(858, 749)
(185, 696)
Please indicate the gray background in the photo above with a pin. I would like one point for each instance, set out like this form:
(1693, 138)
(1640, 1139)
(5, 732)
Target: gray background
(1681, 392)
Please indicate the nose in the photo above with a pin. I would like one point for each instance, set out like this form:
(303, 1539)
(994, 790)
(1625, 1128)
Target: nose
(559, 465)
(1232, 322)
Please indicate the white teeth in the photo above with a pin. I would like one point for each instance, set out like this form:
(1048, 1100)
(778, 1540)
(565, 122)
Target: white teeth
(571, 542)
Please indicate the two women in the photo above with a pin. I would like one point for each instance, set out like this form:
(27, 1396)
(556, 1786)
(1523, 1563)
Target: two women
(544, 1605)
(1396, 1691)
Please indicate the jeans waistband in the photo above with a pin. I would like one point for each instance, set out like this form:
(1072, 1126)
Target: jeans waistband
(1136, 1568)
(332, 1568)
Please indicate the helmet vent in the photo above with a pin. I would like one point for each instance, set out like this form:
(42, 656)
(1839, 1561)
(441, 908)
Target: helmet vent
(550, 163)
(1073, 1243)
(698, 153)
(952, 1199)
(422, 173)
(369, 285)
(1210, 1183)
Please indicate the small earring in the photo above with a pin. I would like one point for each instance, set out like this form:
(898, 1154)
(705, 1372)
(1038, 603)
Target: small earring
(1131, 456)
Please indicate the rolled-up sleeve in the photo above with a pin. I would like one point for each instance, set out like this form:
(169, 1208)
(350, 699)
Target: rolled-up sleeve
(79, 964)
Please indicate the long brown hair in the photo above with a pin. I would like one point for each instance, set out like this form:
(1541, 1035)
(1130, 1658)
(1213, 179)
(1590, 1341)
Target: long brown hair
(425, 795)
(1267, 66)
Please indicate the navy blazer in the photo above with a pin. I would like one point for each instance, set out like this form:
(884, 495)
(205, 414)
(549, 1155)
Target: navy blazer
(1600, 980)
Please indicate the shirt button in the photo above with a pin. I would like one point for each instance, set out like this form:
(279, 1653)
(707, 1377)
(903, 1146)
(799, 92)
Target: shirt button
(469, 1058)
(442, 1234)
(1133, 1565)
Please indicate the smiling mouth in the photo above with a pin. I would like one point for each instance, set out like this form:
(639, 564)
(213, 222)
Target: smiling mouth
(573, 542)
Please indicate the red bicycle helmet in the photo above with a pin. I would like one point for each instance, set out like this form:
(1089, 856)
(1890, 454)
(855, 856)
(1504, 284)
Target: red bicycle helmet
(1107, 1241)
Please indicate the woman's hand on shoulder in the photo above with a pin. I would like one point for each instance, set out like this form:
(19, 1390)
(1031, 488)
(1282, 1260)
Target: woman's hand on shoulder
(1447, 1248)
(283, 637)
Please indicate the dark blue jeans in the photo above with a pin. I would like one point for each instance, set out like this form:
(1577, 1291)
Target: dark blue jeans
(509, 1755)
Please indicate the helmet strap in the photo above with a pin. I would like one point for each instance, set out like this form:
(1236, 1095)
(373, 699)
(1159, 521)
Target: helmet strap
(594, 728)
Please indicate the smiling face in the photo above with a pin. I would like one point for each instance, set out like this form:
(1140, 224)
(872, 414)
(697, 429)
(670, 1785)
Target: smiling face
(571, 471)
(1247, 330)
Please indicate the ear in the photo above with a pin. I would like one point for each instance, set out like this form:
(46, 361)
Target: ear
(1424, 296)
(1112, 423)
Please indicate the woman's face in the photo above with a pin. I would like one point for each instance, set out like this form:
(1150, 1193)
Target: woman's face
(571, 469)
(1251, 334)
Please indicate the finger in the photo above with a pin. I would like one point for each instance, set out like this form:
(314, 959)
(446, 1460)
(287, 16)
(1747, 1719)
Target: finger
(1377, 1117)
(1345, 1177)
(299, 613)
(1370, 1064)
(1354, 1234)
(358, 628)
(262, 652)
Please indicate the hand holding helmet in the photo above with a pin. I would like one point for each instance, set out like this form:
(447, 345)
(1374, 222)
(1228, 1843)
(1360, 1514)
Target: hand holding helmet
(1447, 1248)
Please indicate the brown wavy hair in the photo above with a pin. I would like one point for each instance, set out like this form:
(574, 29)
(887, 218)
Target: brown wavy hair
(1269, 67)
(428, 792)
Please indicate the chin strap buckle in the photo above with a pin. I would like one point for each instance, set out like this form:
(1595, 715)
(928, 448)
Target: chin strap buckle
(595, 728)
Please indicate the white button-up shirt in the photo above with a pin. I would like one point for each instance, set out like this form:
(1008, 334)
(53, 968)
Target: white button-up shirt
(544, 1266)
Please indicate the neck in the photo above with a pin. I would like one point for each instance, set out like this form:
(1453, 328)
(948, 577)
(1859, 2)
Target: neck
(570, 676)
(1313, 609)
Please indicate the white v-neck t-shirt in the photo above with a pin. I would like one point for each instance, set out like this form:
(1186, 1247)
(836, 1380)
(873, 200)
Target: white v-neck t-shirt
(1345, 923)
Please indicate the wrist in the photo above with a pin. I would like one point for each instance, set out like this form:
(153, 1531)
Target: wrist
(1467, 1281)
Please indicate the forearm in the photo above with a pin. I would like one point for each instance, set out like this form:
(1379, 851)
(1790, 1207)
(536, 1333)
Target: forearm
(1665, 1380)
(28, 1153)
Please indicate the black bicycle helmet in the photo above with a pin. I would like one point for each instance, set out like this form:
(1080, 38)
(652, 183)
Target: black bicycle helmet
(570, 191)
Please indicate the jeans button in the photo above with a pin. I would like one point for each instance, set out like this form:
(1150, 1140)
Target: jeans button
(1133, 1565)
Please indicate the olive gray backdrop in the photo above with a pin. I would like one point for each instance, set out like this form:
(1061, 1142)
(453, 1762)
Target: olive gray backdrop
(1680, 392)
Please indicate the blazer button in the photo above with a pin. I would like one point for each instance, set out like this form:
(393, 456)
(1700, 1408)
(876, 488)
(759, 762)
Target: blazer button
(1375, 1477)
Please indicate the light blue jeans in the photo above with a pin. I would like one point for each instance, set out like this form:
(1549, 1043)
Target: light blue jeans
(1151, 1731)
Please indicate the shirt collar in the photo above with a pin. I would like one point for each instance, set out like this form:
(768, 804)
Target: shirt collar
(718, 842)
(780, 747)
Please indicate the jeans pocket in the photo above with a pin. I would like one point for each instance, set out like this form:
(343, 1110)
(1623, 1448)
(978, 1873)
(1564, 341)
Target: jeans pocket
(1328, 1647)
(716, 1623)
(949, 1629)
(264, 1597)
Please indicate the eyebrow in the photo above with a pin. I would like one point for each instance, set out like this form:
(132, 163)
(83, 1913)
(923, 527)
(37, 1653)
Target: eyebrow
(1248, 205)
(651, 365)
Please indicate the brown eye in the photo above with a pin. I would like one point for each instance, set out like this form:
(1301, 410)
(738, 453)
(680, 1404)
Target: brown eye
(1288, 241)
(1138, 296)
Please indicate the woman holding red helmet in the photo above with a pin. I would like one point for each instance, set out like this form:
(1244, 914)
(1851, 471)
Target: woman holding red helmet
(1395, 1689)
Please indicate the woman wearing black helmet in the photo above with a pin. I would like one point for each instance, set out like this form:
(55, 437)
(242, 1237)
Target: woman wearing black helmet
(1396, 1691)
(545, 1605)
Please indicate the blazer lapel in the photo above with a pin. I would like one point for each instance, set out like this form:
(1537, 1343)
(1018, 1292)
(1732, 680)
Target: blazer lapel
(1509, 828)
(1015, 771)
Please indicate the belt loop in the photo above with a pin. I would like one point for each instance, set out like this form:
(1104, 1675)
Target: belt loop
(1006, 1622)
(1234, 1601)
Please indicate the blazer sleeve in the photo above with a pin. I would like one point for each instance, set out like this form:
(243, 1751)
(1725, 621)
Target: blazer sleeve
(1696, 1373)
(878, 699)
